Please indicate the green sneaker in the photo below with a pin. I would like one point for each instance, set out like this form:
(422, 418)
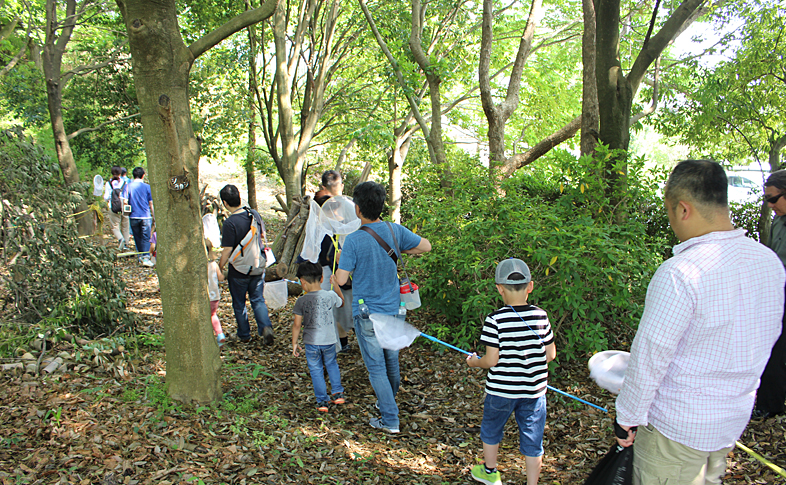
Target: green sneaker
(479, 474)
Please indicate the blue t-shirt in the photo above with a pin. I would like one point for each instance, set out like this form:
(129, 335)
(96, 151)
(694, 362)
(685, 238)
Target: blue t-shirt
(139, 197)
(374, 275)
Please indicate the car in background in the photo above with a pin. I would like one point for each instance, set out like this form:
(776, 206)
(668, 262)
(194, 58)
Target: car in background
(745, 187)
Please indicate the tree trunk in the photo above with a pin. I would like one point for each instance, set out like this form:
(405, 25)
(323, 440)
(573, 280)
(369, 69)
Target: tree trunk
(291, 168)
(615, 90)
(497, 115)
(161, 68)
(251, 179)
(434, 79)
(395, 163)
(57, 36)
(589, 99)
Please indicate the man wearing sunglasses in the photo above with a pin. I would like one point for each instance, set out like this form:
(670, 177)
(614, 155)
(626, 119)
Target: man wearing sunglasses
(772, 391)
(713, 312)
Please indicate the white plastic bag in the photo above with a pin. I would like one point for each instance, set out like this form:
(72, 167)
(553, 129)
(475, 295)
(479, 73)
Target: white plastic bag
(608, 368)
(276, 294)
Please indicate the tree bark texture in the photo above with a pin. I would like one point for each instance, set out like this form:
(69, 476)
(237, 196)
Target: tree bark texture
(497, 115)
(434, 137)
(589, 99)
(396, 159)
(161, 67)
(58, 34)
(296, 142)
(615, 90)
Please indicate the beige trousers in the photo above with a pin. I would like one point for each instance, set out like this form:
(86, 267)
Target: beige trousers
(120, 226)
(658, 460)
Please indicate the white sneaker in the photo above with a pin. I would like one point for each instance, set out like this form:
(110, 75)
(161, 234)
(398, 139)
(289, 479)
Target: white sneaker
(148, 263)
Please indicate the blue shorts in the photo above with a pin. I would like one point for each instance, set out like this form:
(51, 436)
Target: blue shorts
(530, 416)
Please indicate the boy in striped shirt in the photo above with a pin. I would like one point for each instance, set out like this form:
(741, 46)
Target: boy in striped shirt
(519, 345)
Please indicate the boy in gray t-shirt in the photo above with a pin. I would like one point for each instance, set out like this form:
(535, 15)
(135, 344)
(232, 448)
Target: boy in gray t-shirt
(314, 313)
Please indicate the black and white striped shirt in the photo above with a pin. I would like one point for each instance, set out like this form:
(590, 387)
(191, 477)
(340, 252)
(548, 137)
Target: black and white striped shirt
(521, 334)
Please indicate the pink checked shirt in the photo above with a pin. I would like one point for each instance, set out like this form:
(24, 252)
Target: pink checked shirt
(712, 315)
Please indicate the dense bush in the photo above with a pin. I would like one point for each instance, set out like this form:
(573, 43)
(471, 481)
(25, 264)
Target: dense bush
(746, 216)
(590, 260)
(55, 278)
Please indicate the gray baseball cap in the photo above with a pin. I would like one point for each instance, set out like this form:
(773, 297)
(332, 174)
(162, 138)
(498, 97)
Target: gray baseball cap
(508, 267)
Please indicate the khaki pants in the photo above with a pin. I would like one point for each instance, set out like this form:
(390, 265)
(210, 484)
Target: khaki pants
(658, 460)
(120, 226)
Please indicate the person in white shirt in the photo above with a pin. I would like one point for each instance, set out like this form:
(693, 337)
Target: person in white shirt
(118, 221)
(712, 313)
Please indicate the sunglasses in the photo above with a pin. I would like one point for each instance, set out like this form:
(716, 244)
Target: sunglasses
(774, 198)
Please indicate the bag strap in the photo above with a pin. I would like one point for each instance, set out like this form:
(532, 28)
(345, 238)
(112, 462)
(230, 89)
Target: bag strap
(403, 264)
(385, 246)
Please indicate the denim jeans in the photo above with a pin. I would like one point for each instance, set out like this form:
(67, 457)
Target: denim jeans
(383, 370)
(141, 229)
(253, 285)
(530, 416)
(316, 357)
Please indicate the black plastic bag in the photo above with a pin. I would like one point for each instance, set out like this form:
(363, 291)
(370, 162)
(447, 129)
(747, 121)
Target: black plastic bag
(616, 468)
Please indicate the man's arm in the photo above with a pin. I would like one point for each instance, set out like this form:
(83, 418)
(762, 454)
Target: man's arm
(152, 213)
(421, 248)
(224, 258)
(668, 311)
(342, 276)
(337, 289)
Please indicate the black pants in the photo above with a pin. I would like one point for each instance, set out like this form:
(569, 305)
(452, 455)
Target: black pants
(772, 392)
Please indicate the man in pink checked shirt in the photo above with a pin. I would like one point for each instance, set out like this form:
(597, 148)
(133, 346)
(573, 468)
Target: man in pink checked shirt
(712, 314)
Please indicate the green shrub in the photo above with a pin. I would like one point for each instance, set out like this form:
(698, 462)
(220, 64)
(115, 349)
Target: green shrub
(56, 277)
(746, 216)
(590, 272)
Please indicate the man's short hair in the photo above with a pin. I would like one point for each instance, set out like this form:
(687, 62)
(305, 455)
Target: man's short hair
(309, 271)
(777, 180)
(331, 178)
(116, 172)
(123, 171)
(701, 181)
(370, 199)
(230, 195)
(138, 172)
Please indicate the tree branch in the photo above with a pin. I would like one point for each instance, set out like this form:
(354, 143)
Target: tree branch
(675, 24)
(396, 68)
(234, 25)
(541, 148)
(651, 109)
(96, 128)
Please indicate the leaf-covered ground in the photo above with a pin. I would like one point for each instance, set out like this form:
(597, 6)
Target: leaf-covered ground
(88, 426)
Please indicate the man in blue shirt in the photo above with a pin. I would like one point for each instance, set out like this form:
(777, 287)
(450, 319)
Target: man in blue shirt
(375, 281)
(138, 195)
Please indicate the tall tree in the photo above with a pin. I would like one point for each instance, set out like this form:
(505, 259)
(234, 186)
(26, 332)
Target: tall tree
(306, 59)
(734, 110)
(616, 90)
(502, 165)
(162, 62)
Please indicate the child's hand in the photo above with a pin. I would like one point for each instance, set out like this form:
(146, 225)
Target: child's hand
(472, 359)
(295, 349)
